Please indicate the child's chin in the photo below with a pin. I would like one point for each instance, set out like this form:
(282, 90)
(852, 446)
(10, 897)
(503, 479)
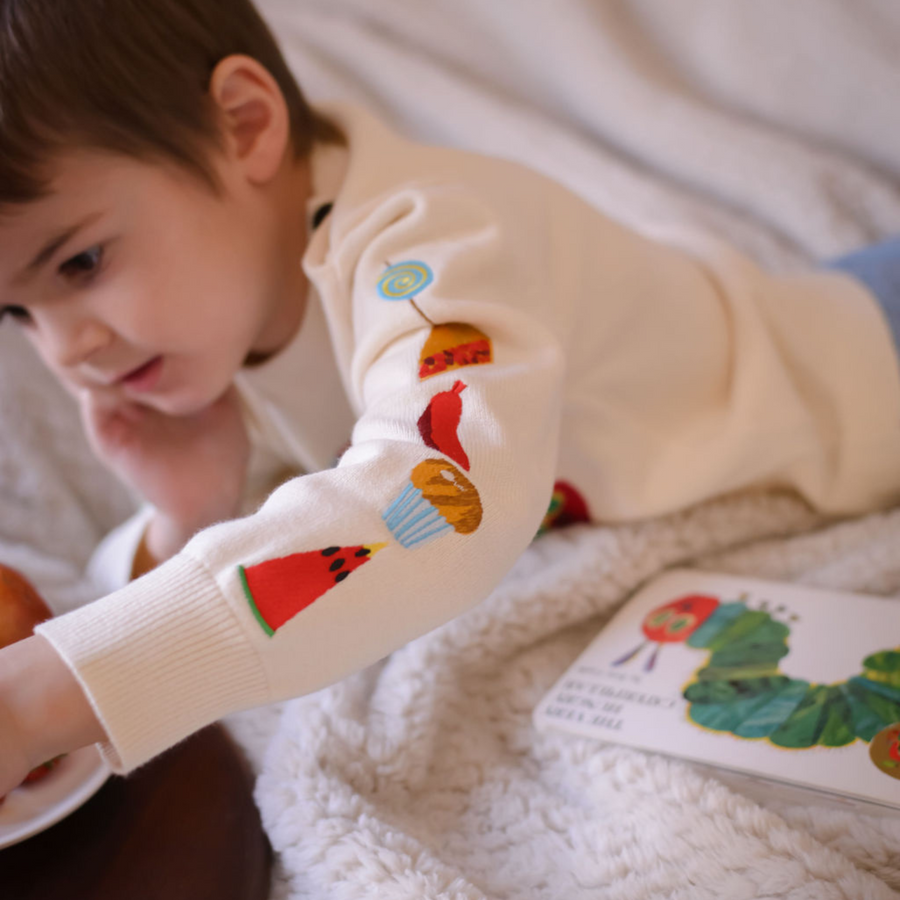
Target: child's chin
(179, 406)
(186, 397)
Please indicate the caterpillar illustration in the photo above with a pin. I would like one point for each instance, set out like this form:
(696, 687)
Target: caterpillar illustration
(670, 624)
(742, 691)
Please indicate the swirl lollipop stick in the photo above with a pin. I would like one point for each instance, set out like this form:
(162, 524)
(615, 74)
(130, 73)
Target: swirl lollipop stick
(405, 281)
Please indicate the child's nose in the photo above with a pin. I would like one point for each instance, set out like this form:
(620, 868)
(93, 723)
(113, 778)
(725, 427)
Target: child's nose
(71, 343)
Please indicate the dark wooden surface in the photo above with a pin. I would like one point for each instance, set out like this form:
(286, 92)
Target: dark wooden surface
(183, 827)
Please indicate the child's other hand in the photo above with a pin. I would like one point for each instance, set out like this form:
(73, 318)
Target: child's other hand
(191, 468)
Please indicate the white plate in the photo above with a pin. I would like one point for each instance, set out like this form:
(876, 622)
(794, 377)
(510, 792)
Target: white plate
(33, 808)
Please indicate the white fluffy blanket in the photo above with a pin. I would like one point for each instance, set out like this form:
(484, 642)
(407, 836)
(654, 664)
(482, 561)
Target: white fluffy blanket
(772, 123)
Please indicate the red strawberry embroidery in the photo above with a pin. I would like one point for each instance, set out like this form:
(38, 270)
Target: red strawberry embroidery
(438, 424)
(567, 507)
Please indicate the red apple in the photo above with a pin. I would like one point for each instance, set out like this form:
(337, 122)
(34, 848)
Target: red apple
(21, 608)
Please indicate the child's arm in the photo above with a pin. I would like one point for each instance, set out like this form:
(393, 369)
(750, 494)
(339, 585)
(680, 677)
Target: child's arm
(43, 711)
(446, 482)
(193, 469)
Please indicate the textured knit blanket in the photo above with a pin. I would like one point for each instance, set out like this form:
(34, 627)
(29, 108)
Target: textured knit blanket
(773, 124)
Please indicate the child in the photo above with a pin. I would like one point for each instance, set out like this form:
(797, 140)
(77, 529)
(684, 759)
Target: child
(234, 285)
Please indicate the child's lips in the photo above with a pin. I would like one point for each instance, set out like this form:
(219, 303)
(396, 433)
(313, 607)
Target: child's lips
(144, 378)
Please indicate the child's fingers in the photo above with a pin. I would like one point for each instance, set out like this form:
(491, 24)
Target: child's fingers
(111, 426)
(103, 404)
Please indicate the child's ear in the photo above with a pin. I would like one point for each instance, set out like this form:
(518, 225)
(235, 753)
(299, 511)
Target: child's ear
(254, 115)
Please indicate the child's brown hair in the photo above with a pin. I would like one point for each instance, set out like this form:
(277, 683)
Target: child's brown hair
(127, 76)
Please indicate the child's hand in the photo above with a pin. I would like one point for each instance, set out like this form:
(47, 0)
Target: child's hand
(14, 759)
(43, 711)
(191, 468)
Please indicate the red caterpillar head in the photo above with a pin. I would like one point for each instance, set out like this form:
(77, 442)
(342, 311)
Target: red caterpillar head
(678, 620)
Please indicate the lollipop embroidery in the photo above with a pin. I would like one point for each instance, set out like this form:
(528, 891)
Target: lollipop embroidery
(436, 499)
(405, 280)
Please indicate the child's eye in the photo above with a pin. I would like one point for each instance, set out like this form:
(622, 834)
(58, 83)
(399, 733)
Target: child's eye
(14, 312)
(86, 263)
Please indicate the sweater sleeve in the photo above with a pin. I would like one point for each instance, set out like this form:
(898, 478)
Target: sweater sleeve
(446, 481)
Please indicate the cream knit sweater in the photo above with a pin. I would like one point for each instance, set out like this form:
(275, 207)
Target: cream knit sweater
(483, 333)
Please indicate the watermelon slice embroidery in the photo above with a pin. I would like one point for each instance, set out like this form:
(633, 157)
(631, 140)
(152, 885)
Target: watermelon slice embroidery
(278, 589)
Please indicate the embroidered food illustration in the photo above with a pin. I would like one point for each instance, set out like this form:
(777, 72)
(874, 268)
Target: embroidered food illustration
(439, 422)
(278, 589)
(567, 507)
(449, 346)
(437, 498)
(453, 346)
(405, 280)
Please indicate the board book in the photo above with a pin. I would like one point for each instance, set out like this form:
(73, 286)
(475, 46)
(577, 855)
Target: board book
(785, 684)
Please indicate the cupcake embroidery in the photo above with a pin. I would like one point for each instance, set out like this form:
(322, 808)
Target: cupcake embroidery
(437, 498)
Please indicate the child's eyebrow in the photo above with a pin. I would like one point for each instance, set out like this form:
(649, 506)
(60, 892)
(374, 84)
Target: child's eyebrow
(53, 245)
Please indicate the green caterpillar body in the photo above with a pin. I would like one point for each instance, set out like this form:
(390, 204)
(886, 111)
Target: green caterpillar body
(742, 691)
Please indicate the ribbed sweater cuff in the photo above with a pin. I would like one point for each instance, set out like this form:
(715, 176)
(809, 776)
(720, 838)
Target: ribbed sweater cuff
(158, 660)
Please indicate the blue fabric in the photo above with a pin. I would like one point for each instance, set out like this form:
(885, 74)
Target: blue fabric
(878, 268)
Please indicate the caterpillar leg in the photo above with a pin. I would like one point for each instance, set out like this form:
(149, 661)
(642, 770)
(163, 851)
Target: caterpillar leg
(630, 655)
